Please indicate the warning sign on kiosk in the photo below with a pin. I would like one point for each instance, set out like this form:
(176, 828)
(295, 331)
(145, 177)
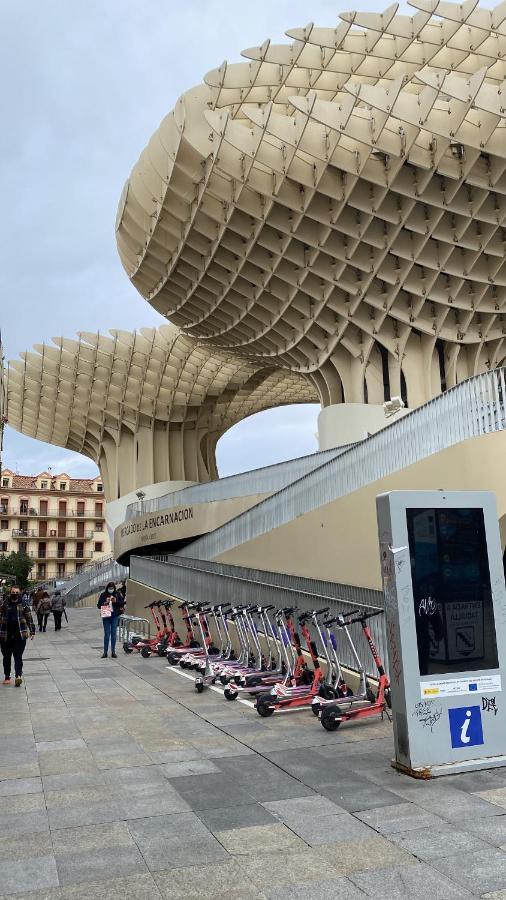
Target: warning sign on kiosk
(446, 687)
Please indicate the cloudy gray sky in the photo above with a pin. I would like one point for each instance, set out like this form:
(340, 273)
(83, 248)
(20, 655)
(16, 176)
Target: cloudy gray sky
(85, 84)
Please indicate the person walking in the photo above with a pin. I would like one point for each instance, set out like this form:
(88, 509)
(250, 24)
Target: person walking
(16, 625)
(43, 610)
(58, 607)
(111, 604)
(37, 597)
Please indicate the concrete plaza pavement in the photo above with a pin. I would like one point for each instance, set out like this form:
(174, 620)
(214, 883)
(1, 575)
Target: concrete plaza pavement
(118, 780)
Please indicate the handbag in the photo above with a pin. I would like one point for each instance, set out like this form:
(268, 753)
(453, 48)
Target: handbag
(106, 611)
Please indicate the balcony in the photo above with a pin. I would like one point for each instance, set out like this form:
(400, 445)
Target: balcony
(69, 554)
(54, 514)
(20, 533)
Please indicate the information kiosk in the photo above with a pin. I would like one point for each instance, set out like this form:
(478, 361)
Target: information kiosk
(445, 602)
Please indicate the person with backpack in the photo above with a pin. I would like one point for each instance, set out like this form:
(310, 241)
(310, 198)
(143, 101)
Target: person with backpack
(16, 626)
(58, 607)
(43, 610)
(111, 604)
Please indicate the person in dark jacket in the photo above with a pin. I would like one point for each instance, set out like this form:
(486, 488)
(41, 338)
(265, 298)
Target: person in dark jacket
(16, 625)
(111, 604)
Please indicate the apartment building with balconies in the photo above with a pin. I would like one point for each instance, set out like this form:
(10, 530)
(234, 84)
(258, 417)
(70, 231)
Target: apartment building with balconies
(58, 521)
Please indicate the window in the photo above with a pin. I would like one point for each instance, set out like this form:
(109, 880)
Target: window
(98, 546)
(23, 507)
(61, 570)
(99, 526)
(4, 524)
(98, 510)
(41, 571)
(454, 614)
(99, 487)
(5, 482)
(23, 547)
(4, 504)
(63, 485)
(79, 567)
(3, 546)
(43, 485)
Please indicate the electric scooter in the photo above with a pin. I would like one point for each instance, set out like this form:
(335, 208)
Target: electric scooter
(341, 688)
(344, 709)
(281, 696)
(153, 645)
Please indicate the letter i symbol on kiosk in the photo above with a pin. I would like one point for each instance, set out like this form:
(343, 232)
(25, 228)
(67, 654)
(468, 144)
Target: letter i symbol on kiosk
(464, 737)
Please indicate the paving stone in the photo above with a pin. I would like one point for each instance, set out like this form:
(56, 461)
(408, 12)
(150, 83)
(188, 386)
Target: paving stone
(89, 865)
(60, 744)
(27, 874)
(336, 889)
(226, 818)
(360, 855)
(292, 810)
(91, 837)
(19, 770)
(20, 786)
(266, 782)
(73, 781)
(486, 868)
(23, 823)
(66, 761)
(211, 791)
(497, 796)
(180, 840)
(22, 803)
(402, 817)
(220, 881)
(276, 868)
(134, 887)
(330, 829)
(75, 816)
(86, 796)
(14, 848)
(246, 841)
(358, 796)
(435, 843)
(190, 767)
(492, 830)
(414, 882)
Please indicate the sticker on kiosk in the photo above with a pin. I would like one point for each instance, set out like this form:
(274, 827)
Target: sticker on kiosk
(446, 687)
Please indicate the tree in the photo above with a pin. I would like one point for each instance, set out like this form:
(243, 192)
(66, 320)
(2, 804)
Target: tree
(17, 564)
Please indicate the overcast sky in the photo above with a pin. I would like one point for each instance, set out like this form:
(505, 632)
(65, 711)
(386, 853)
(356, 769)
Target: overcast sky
(85, 84)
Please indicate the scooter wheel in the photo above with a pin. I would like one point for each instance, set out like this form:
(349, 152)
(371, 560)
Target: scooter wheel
(199, 687)
(388, 698)
(127, 648)
(264, 706)
(194, 644)
(307, 677)
(371, 696)
(173, 658)
(183, 664)
(315, 709)
(161, 650)
(229, 695)
(224, 679)
(212, 650)
(253, 682)
(145, 652)
(331, 719)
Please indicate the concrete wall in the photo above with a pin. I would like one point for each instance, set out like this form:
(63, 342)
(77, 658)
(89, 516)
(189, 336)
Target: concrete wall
(338, 542)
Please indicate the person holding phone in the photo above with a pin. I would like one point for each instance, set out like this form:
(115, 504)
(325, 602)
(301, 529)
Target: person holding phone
(111, 604)
(16, 625)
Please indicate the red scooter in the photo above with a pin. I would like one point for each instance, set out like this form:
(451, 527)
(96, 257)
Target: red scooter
(334, 712)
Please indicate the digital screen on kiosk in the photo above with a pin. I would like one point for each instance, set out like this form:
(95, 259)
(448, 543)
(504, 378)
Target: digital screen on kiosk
(454, 614)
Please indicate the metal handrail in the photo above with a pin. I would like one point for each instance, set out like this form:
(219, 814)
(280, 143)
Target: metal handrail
(473, 408)
(258, 481)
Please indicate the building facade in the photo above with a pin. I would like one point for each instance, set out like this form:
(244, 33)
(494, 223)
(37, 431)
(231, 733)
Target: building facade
(58, 521)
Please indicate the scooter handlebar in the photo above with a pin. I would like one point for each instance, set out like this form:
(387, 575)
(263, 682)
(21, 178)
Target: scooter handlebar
(364, 617)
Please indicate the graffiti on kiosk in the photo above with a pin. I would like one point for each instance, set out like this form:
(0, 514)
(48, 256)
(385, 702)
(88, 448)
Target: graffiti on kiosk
(395, 659)
(428, 713)
(488, 704)
(428, 606)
